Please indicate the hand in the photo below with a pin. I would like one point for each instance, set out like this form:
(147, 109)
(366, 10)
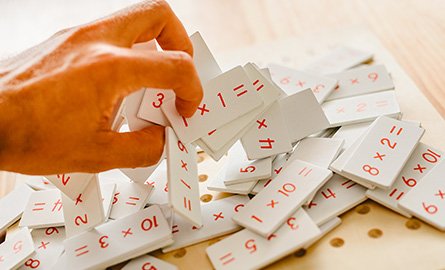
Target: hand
(57, 99)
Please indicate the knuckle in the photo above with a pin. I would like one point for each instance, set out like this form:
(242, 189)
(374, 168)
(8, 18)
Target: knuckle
(183, 63)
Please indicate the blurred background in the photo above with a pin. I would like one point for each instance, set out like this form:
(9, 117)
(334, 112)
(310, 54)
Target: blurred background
(412, 30)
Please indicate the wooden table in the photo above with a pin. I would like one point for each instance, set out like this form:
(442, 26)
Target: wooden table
(412, 31)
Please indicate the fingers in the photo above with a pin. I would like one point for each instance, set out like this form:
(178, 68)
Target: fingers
(132, 70)
(143, 22)
(132, 149)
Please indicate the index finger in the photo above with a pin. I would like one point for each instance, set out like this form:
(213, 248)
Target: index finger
(143, 22)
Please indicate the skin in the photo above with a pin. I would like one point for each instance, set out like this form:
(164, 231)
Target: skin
(58, 99)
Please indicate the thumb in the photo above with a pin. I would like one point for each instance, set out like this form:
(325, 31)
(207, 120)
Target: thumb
(140, 148)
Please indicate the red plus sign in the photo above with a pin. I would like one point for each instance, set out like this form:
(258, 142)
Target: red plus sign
(127, 232)
(311, 203)
(203, 109)
(218, 216)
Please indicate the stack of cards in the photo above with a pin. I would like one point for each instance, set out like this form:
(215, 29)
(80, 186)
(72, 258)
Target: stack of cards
(285, 132)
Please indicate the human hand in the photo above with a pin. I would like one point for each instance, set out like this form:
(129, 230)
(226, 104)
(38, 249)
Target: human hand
(57, 99)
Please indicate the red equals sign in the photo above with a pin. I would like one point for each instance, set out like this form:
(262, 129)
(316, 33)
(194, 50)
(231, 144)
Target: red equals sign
(82, 250)
(227, 258)
(258, 88)
(38, 206)
(133, 199)
(381, 103)
(239, 87)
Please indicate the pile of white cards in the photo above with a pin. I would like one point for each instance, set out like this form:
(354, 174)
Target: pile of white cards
(310, 144)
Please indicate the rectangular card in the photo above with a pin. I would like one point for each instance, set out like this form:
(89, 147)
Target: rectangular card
(43, 210)
(383, 152)
(293, 81)
(226, 97)
(129, 198)
(118, 241)
(205, 63)
(269, 135)
(336, 197)
(240, 170)
(182, 172)
(339, 59)
(216, 183)
(303, 115)
(217, 221)
(269, 209)
(427, 200)
(361, 81)
(13, 204)
(317, 151)
(359, 109)
(248, 250)
(16, 250)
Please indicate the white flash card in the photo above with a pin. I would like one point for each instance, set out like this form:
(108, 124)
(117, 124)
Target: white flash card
(248, 250)
(336, 197)
(129, 198)
(421, 162)
(107, 191)
(361, 81)
(383, 152)
(325, 228)
(268, 136)
(158, 179)
(350, 133)
(277, 167)
(44, 209)
(141, 174)
(118, 241)
(16, 250)
(427, 200)
(217, 221)
(13, 204)
(205, 63)
(48, 244)
(86, 211)
(226, 97)
(182, 172)
(363, 108)
(38, 182)
(282, 197)
(71, 184)
(267, 91)
(147, 262)
(215, 155)
(293, 81)
(131, 108)
(150, 109)
(303, 115)
(339, 59)
(216, 183)
(317, 151)
(240, 170)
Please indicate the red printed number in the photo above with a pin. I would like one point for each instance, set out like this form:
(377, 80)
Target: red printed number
(247, 169)
(158, 104)
(371, 170)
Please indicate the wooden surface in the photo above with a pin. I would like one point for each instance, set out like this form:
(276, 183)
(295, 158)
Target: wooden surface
(412, 31)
